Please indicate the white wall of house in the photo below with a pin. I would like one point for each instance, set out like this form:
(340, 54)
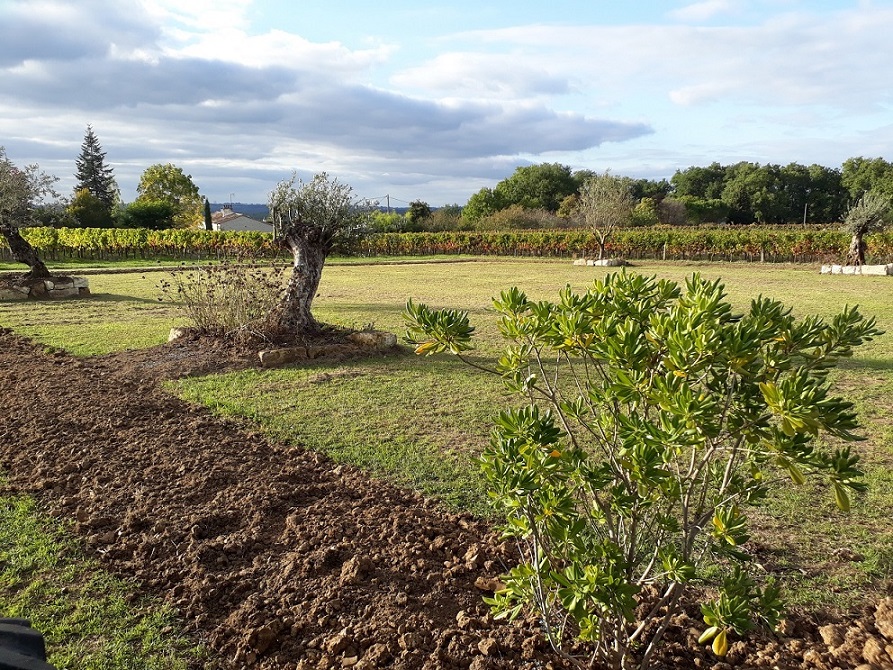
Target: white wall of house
(228, 220)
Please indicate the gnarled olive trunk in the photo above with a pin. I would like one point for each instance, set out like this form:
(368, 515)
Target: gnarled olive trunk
(856, 253)
(23, 252)
(293, 314)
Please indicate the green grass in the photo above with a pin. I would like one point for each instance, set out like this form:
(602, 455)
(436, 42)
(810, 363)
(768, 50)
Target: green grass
(75, 264)
(123, 312)
(90, 620)
(421, 422)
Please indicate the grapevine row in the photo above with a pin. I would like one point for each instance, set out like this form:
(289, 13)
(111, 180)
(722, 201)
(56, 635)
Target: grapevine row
(751, 243)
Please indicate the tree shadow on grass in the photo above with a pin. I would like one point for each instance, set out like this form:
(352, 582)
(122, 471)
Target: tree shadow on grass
(877, 364)
(113, 297)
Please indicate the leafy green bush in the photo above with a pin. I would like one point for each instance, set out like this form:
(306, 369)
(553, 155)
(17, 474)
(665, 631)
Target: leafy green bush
(515, 217)
(654, 418)
(148, 214)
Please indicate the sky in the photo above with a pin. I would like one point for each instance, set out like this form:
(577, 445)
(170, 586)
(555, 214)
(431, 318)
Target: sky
(434, 100)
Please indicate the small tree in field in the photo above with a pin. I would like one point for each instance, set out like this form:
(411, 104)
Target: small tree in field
(654, 417)
(21, 191)
(312, 219)
(871, 213)
(605, 204)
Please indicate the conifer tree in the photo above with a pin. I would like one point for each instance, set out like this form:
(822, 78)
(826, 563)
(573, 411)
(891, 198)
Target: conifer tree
(93, 174)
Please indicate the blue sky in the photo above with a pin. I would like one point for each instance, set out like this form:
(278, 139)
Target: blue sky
(435, 100)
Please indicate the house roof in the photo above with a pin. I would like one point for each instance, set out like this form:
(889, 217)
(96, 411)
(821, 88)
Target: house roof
(226, 215)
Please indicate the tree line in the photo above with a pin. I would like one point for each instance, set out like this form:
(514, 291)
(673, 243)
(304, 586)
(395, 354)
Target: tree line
(548, 195)
(166, 197)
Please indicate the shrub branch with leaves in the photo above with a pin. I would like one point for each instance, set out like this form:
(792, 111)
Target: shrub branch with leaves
(654, 418)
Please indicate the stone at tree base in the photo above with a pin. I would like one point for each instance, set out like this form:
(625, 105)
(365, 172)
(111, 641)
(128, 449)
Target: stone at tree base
(14, 293)
(603, 263)
(52, 288)
(857, 269)
(374, 338)
(275, 357)
(370, 340)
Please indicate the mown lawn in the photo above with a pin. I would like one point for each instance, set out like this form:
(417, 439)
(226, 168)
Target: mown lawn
(421, 422)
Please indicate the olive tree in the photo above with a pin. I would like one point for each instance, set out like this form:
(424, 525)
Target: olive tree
(605, 204)
(871, 213)
(653, 418)
(312, 219)
(21, 191)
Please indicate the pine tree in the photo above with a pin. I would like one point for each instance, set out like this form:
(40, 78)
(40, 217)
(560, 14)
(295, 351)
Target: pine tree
(93, 174)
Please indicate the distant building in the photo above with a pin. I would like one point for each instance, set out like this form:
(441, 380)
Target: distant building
(227, 219)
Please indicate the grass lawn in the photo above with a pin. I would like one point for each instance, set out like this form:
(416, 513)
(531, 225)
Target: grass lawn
(421, 422)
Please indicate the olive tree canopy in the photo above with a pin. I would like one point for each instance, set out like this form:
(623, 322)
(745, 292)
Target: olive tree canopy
(605, 204)
(21, 191)
(871, 213)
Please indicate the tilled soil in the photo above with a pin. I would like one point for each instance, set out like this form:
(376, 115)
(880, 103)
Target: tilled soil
(278, 558)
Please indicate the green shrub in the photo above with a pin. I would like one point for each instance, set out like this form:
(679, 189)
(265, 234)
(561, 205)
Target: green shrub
(516, 217)
(654, 417)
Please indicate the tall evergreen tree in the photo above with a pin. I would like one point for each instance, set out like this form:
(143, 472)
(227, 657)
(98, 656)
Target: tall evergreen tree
(93, 174)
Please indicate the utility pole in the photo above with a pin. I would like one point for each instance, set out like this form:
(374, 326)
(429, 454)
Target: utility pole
(388, 196)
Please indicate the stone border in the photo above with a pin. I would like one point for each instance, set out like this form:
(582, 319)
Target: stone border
(857, 269)
(360, 341)
(604, 263)
(369, 340)
(52, 288)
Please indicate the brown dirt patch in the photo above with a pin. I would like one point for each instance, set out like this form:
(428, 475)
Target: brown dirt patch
(274, 556)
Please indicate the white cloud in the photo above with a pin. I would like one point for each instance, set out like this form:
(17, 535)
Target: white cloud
(698, 12)
(280, 49)
(484, 75)
(841, 59)
(193, 83)
(203, 16)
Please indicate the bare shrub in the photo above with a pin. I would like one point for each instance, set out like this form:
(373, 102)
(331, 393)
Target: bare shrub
(227, 299)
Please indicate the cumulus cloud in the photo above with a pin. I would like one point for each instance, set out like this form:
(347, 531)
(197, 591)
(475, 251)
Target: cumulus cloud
(483, 75)
(838, 59)
(59, 31)
(165, 87)
(191, 83)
